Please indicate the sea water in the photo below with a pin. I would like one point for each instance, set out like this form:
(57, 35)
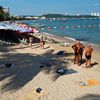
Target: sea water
(85, 30)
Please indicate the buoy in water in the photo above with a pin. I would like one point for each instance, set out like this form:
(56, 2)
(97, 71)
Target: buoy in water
(42, 28)
(62, 27)
(73, 26)
(89, 25)
(49, 28)
(55, 27)
(67, 26)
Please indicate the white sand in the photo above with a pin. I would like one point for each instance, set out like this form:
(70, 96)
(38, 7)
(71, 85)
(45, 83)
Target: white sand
(21, 81)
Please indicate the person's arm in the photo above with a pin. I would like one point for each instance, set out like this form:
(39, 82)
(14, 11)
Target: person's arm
(73, 46)
(92, 49)
(85, 51)
(83, 47)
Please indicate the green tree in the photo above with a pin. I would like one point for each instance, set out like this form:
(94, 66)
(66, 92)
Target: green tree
(1, 13)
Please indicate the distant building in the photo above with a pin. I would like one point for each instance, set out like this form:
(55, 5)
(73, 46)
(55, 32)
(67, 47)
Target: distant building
(77, 14)
(28, 17)
(95, 14)
(43, 17)
(4, 13)
(35, 17)
(6, 10)
(98, 14)
(66, 14)
(92, 14)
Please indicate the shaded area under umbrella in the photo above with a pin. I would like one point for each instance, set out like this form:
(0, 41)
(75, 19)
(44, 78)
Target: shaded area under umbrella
(13, 33)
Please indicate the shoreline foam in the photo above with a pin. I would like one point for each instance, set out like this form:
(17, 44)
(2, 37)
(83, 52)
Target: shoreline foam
(68, 39)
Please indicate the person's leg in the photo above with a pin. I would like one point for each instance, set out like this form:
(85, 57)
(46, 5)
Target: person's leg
(81, 57)
(87, 60)
(30, 44)
(42, 45)
(78, 59)
(75, 59)
(21, 45)
(89, 63)
(86, 63)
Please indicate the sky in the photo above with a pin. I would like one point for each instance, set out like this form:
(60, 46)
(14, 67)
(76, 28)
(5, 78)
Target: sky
(38, 7)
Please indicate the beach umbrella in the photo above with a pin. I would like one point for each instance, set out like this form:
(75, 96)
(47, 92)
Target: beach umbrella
(15, 27)
(3, 27)
(8, 26)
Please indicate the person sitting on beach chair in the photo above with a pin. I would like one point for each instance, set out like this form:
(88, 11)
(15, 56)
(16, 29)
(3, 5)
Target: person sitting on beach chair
(42, 42)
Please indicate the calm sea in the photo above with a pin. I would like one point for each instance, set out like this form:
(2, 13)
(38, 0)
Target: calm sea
(86, 30)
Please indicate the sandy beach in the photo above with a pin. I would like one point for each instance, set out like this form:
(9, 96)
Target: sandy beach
(20, 81)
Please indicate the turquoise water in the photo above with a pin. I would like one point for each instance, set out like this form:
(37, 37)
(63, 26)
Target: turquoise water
(86, 30)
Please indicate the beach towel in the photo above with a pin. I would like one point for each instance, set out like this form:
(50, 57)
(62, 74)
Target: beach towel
(61, 71)
(64, 71)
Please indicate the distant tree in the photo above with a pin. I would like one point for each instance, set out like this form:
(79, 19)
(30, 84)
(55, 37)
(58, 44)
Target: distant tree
(67, 16)
(1, 13)
(54, 16)
(6, 16)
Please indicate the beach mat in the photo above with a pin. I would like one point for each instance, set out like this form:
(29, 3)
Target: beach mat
(63, 71)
